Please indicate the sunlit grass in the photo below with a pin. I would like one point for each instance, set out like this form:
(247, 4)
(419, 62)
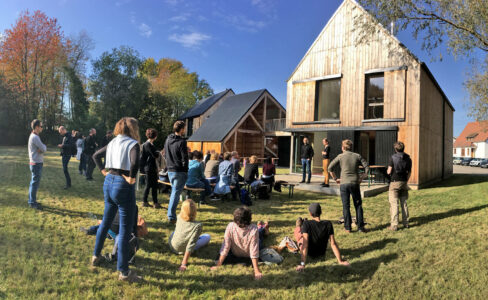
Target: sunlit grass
(44, 255)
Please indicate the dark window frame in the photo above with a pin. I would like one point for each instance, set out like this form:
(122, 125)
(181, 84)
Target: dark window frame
(317, 99)
(366, 100)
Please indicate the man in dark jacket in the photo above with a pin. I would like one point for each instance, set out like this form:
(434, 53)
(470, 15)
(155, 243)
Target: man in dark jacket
(400, 169)
(176, 155)
(307, 155)
(66, 147)
(107, 138)
(90, 147)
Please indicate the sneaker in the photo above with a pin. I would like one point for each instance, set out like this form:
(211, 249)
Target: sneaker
(308, 182)
(130, 277)
(157, 206)
(303, 181)
(36, 206)
(324, 185)
(96, 260)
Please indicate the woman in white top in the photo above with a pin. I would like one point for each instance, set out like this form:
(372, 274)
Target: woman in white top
(121, 166)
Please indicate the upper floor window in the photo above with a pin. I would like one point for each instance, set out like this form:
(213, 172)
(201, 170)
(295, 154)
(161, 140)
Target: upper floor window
(375, 91)
(327, 99)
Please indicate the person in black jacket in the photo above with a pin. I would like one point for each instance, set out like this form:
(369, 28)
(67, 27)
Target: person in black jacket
(66, 147)
(90, 147)
(176, 155)
(307, 155)
(148, 160)
(107, 138)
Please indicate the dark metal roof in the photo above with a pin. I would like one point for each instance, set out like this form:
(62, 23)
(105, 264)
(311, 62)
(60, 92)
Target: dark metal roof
(203, 105)
(225, 117)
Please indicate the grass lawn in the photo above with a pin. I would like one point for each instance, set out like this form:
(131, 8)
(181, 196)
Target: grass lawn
(44, 255)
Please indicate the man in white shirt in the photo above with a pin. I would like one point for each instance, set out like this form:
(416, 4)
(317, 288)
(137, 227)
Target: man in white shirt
(36, 161)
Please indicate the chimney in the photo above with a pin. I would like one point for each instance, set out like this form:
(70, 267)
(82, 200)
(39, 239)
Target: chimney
(392, 28)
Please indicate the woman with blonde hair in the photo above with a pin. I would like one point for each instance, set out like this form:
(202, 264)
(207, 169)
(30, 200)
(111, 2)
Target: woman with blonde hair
(186, 238)
(121, 166)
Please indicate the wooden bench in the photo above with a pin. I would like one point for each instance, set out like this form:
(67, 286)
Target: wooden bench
(291, 188)
(186, 190)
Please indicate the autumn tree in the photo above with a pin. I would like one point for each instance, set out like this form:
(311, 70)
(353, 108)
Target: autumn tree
(173, 90)
(31, 55)
(462, 26)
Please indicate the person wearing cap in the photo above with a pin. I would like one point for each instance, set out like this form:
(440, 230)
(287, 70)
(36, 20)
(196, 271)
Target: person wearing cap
(312, 237)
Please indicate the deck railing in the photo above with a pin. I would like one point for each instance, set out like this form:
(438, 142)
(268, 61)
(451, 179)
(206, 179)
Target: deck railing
(275, 124)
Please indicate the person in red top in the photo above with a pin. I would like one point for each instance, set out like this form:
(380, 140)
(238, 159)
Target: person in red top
(269, 172)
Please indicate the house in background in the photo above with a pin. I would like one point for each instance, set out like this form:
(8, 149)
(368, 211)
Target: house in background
(374, 94)
(250, 123)
(473, 141)
(201, 111)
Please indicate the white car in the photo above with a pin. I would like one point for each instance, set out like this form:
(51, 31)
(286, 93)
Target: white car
(457, 160)
(475, 162)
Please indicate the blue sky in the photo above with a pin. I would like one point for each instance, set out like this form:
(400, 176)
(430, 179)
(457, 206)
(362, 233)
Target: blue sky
(240, 44)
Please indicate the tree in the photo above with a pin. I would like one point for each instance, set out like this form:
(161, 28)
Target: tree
(118, 85)
(173, 90)
(31, 58)
(77, 95)
(462, 25)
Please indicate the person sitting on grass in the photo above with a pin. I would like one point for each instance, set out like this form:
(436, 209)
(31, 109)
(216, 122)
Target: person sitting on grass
(196, 176)
(312, 236)
(212, 168)
(186, 238)
(242, 241)
(226, 169)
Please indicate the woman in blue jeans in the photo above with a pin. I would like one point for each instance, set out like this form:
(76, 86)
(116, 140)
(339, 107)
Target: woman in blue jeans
(121, 166)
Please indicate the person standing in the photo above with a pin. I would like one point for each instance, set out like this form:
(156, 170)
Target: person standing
(89, 150)
(307, 155)
(176, 155)
(107, 138)
(80, 144)
(148, 158)
(66, 147)
(325, 161)
(400, 169)
(122, 164)
(236, 178)
(36, 161)
(350, 181)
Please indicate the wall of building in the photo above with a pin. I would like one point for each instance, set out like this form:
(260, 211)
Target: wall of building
(481, 150)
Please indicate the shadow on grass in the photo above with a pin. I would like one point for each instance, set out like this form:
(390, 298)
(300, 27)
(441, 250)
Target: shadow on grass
(377, 245)
(421, 220)
(212, 280)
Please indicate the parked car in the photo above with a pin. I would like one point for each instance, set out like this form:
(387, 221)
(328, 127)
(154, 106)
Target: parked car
(475, 162)
(484, 164)
(457, 160)
(466, 161)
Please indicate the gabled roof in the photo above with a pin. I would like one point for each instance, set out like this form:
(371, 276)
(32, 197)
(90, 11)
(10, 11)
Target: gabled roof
(226, 117)
(384, 31)
(203, 105)
(474, 132)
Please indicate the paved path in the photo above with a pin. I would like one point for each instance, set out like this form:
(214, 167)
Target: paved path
(469, 170)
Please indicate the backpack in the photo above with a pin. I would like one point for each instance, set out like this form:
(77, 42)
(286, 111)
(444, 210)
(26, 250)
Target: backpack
(263, 193)
(133, 247)
(400, 163)
(245, 199)
(141, 227)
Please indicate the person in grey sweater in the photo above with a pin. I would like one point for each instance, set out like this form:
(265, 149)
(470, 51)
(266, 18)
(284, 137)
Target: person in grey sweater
(36, 161)
(350, 181)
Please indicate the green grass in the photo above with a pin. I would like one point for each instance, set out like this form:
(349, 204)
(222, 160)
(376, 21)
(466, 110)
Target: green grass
(44, 255)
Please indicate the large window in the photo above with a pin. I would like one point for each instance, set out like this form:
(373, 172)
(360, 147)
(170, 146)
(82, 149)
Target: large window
(327, 101)
(375, 87)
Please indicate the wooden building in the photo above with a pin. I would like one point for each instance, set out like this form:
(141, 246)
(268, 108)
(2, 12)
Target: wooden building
(373, 93)
(249, 123)
(201, 111)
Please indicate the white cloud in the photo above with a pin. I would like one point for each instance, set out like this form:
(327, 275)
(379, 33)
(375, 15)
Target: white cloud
(180, 18)
(173, 2)
(122, 2)
(244, 23)
(145, 30)
(190, 40)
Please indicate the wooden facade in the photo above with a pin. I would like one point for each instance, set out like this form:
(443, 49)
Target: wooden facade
(252, 133)
(415, 109)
